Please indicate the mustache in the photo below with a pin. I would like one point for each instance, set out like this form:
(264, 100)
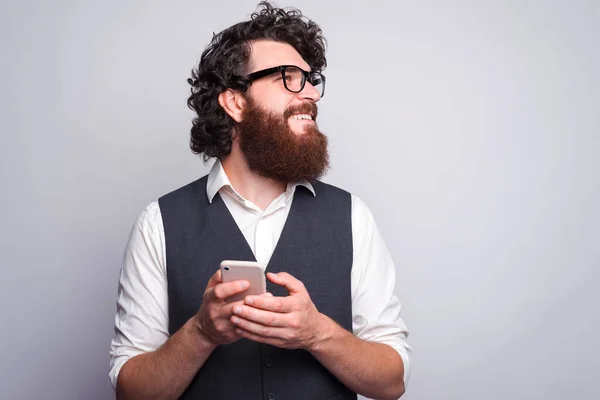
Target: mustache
(304, 108)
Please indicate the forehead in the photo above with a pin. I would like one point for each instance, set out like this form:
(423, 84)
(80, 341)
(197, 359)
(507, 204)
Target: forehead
(266, 54)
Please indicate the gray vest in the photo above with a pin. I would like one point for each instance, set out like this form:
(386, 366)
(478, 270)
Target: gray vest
(315, 246)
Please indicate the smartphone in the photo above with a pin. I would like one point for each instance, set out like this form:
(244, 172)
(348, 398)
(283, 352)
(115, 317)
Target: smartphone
(250, 271)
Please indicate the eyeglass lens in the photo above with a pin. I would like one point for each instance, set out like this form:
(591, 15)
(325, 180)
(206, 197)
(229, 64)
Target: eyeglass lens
(294, 80)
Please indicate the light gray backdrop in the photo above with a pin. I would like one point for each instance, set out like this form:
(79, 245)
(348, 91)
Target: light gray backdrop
(470, 128)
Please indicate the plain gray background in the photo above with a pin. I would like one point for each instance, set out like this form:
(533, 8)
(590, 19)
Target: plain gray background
(470, 128)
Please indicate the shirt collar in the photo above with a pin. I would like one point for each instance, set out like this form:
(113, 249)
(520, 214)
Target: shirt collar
(217, 180)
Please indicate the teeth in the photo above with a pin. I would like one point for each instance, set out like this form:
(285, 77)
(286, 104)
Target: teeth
(302, 116)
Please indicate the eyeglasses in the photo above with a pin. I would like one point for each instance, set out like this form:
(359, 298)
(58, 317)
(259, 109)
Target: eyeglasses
(294, 78)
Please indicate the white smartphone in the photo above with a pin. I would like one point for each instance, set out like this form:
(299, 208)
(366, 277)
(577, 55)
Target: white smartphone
(250, 271)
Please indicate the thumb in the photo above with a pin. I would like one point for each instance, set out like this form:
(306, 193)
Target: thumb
(214, 280)
(293, 285)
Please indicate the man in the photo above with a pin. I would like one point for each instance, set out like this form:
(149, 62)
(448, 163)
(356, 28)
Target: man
(330, 326)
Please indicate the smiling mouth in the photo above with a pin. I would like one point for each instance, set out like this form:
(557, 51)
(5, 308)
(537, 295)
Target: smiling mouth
(305, 117)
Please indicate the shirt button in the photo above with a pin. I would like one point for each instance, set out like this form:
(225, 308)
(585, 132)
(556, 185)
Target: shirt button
(269, 363)
(271, 396)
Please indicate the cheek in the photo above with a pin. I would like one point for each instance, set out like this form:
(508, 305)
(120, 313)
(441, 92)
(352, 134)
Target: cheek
(280, 104)
(272, 99)
(274, 108)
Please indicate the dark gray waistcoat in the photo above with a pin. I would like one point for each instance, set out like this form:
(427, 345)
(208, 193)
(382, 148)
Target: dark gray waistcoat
(315, 246)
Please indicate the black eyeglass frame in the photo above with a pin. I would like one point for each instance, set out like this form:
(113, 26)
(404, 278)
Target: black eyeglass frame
(314, 78)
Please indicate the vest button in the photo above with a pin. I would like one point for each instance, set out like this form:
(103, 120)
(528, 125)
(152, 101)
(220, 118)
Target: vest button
(271, 396)
(269, 363)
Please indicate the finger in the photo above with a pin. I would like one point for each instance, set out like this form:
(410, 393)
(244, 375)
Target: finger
(293, 285)
(227, 309)
(214, 280)
(262, 317)
(276, 304)
(259, 339)
(225, 290)
(259, 329)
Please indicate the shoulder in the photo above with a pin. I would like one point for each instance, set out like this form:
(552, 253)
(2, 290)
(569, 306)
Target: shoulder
(182, 205)
(147, 228)
(321, 187)
(363, 222)
(194, 188)
(360, 209)
(148, 218)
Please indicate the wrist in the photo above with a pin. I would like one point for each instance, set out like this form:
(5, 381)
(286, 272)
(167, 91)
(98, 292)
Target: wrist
(326, 330)
(201, 339)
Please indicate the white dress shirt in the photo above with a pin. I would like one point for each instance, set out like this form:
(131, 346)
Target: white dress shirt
(142, 317)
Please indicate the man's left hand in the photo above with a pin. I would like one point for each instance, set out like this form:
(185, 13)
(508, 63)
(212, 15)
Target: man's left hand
(291, 322)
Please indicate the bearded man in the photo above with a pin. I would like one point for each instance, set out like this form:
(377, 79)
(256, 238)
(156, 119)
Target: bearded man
(330, 325)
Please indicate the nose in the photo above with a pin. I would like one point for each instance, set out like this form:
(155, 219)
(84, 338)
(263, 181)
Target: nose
(309, 93)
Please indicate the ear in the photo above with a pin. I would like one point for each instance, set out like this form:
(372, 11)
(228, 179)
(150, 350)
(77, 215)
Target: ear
(233, 103)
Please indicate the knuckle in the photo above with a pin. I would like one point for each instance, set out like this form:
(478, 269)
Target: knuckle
(218, 292)
(278, 306)
(263, 331)
(294, 324)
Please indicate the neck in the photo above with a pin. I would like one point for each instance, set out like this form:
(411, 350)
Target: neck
(256, 188)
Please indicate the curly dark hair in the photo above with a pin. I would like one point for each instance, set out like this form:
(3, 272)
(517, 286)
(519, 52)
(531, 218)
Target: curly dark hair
(224, 65)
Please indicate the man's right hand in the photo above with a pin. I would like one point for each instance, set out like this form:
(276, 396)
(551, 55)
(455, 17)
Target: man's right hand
(214, 316)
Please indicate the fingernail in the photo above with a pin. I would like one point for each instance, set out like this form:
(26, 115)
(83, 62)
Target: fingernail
(237, 310)
(249, 300)
(235, 320)
(244, 285)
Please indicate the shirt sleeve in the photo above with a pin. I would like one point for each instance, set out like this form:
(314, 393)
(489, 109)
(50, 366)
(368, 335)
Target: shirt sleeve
(376, 310)
(141, 319)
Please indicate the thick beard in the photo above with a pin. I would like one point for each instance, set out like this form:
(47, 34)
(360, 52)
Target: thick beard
(273, 150)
